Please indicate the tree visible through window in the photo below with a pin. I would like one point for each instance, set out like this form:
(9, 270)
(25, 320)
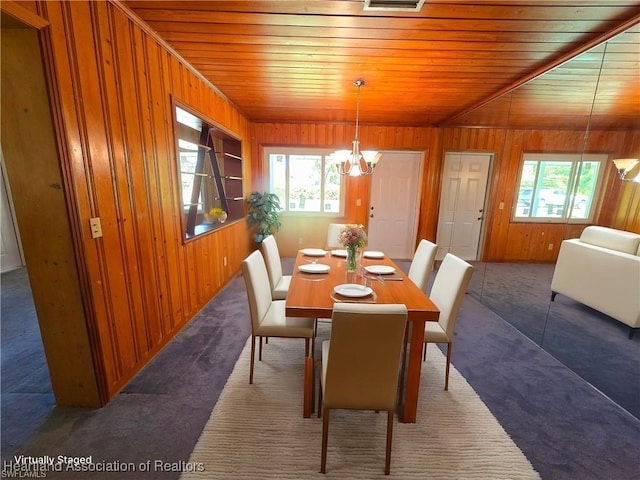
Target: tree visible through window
(558, 187)
(305, 180)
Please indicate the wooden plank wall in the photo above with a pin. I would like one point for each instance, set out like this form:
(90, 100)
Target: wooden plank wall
(505, 241)
(112, 85)
(297, 232)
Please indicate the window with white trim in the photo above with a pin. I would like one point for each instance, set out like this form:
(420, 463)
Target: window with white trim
(305, 179)
(558, 187)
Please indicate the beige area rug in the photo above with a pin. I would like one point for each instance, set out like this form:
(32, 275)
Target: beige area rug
(258, 432)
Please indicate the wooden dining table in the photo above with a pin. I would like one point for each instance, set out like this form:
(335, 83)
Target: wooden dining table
(312, 295)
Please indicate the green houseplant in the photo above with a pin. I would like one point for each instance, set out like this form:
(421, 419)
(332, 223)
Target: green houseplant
(264, 209)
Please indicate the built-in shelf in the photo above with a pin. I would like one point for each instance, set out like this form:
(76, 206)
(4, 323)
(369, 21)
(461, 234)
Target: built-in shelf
(211, 172)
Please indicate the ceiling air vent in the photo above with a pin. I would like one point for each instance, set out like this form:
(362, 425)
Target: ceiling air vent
(394, 5)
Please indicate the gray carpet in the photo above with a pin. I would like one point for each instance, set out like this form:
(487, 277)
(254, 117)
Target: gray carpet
(26, 394)
(565, 427)
(588, 342)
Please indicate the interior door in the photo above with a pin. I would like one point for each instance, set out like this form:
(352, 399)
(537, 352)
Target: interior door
(464, 186)
(393, 206)
(10, 256)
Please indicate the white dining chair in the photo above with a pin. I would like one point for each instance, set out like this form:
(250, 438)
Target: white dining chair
(447, 292)
(278, 282)
(361, 363)
(422, 263)
(333, 232)
(268, 317)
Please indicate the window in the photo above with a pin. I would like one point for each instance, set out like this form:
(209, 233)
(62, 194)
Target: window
(210, 172)
(305, 180)
(558, 187)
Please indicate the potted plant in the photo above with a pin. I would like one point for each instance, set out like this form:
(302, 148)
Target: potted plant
(264, 209)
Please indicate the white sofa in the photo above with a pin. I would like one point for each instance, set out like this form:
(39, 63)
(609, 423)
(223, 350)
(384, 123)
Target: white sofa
(601, 269)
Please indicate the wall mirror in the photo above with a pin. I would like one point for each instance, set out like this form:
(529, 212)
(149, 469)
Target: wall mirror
(210, 172)
(582, 116)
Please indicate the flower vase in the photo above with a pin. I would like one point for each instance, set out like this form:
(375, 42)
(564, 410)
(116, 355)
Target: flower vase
(352, 259)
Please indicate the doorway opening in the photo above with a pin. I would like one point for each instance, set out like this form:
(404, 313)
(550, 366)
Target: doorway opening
(26, 379)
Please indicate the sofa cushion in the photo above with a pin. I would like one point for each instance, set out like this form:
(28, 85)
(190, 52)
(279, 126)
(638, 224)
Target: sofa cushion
(605, 237)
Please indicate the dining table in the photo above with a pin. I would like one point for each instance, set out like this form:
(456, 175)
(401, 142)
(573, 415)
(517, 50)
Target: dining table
(320, 279)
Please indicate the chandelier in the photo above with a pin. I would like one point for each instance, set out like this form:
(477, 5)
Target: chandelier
(628, 168)
(355, 162)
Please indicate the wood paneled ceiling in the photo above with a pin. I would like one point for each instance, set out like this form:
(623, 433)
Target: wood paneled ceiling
(479, 63)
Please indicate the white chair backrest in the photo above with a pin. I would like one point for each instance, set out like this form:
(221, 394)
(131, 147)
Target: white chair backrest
(448, 290)
(422, 263)
(333, 232)
(272, 260)
(256, 280)
(364, 356)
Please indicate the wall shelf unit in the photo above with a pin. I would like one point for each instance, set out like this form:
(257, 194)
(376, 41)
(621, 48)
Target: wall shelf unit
(210, 166)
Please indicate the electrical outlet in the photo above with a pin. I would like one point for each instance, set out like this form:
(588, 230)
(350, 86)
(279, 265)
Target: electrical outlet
(358, 202)
(224, 261)
(551, 246)
(299, 240)
(96, 227)
(501, 206)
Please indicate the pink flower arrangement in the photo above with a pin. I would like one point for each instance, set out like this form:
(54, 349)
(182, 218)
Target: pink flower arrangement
(353, 236)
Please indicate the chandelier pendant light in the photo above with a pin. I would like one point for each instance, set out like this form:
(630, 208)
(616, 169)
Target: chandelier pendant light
(355, 162)
(628, 169)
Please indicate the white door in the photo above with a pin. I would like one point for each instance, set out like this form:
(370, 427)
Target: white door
(10, 257)
(464, 185)
(394, 204)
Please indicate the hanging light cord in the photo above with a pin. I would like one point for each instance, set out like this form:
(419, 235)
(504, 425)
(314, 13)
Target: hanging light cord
(358, 83)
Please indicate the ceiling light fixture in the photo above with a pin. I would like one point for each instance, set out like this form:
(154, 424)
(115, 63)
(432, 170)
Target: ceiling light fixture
(628, 168)
(355, 162)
